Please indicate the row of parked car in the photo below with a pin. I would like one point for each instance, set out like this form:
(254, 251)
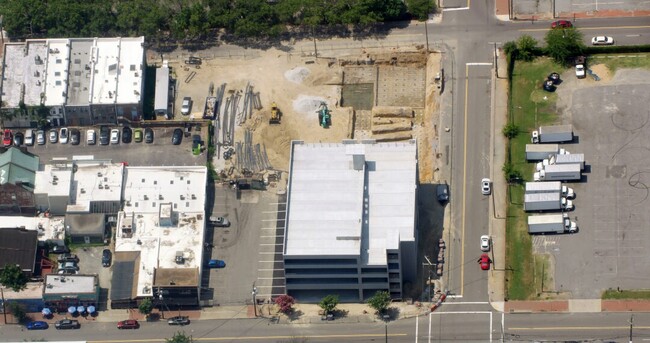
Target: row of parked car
(74, 136)
(64, 324)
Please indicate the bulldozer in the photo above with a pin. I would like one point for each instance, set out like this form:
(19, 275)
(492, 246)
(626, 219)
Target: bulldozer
(324, 115)
(275, 114)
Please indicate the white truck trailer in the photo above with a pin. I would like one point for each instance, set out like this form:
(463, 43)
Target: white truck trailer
(562, 159)
(546, 202)
(559, 172)
(538, 152)
(550, 187)
(552, 134)
(551, 223)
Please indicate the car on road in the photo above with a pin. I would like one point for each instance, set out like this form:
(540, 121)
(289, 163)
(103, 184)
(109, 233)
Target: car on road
(216, 264)
(115, 136)
(107, 256)
(29, 137)
(137, 135)
(485, 243)
(219, 221)
(54, 136)
(91, 139)
(177, 136)
(40, 137)
(486, 186)
(128, 324)
(602, 40)
(19, 139)
(442, 192)
(127, 134)
(75, 137)
(484, 261)
(7, 137)
(63, 135)
(67, 324)
(148, 135)
(178, 320)
(67, 257)
(561, 24)
(104, 135)
(37, 325)
(59, 249)
(186, 105)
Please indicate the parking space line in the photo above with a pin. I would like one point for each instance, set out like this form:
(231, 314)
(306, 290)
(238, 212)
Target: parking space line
(273, 220)
(271, 253)
(270, 278)
(278, 203)
(276, 211)
(272, 236)
(269, 269)
(276, 244)
(274, 261)
(268, 228)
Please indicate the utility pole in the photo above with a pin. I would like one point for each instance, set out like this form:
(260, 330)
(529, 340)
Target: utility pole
(254, 293)
(631, 325)
(4, 309)
(426, 34)
(496, 61)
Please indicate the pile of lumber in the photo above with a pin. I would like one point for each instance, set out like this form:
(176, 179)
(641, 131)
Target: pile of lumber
(392, 123)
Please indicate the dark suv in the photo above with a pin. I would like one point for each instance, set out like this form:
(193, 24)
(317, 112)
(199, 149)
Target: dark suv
(104, 135)
(106, 258)
(67, 324)
(126, 134)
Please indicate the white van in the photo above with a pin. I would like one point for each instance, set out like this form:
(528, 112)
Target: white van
(29, 137)
(90, 137)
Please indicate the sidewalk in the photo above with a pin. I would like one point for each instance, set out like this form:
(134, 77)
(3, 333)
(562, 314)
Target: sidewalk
(502, 11)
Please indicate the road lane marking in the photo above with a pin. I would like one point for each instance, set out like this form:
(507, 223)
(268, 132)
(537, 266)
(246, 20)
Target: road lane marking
(594, 28)
(479, 64)
(468, 303)
(260, 338)
(455, 9)
(573, 328)
(462, 235)
(417, 320)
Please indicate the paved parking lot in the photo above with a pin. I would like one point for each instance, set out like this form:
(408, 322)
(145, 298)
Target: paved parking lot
(612, 249)
(90, 262)
(160, 153)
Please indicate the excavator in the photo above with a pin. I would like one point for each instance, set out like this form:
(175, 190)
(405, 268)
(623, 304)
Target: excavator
(324, 115)
(275, 114)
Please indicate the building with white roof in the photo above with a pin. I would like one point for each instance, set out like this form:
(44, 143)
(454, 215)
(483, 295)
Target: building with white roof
(160, 236)
(82, 81)
(351, 219)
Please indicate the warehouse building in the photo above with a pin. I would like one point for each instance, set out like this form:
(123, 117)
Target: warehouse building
(351, 219)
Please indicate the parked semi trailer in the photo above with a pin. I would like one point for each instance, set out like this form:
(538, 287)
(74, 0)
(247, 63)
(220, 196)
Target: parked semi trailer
(559, 172)
(562, 159)
(550, 187)
(546, 202)
(552, 134)
(551, 223)
(538, 152)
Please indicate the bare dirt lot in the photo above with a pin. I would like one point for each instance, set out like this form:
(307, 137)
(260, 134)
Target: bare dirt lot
(298, 85)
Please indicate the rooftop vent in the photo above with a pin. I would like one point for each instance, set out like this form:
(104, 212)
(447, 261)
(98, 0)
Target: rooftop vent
(99, 174)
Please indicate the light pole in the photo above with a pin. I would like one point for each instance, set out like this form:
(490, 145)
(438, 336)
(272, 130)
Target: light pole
(254, 293)
(386, 317)
(162, 303)
(631, 325)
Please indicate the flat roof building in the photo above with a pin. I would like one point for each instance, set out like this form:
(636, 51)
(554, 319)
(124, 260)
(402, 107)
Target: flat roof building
(351, 219)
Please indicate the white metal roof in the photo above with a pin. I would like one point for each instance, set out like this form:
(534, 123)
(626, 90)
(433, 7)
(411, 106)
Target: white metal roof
(54, 180)
(96, 181)
(65, 284)
(131, 68)
(162, 89)
(104, 57)
(56, 82)
(335, 209)
(23, 73)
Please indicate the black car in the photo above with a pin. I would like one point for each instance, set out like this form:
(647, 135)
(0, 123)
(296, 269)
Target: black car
(127, 134)
(104, 135)
(177, 136)
(67, 324)
(555, 77)
(67, 257)
(19, 139)
(75, 137)
(148, 135)
(442, 192)
(60, 249)
(107, 256)
(549, 86)
(178, 320)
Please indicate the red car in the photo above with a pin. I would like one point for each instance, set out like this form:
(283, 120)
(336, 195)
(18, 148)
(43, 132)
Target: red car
(484, 261)
(128, 324)
(564, 24)
(7, 138)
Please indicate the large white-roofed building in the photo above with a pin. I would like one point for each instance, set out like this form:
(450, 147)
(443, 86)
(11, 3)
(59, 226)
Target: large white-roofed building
(81, 81)
(160, 236)
(351, 219)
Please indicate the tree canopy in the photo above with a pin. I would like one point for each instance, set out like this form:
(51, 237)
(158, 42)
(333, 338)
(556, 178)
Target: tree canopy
(146, 306)
(13, 277)
(562, 44)
(194, 20)
(180, 337)
(329, 303)
(380, 301)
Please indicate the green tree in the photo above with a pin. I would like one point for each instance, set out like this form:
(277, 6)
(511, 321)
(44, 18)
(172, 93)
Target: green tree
(146, 306)
(18, 312)
(421, 9)
(329, 303)
(511, 174)
(510, 130)
(180, 337)
(13, 277)
(380, 301)
(510, 48)
(527, 48)
(562, 44)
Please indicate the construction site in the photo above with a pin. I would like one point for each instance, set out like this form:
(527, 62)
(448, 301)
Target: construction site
(258, 106)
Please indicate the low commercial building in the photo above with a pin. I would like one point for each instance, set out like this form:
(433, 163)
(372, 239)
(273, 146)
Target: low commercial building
(351, 219)
(63, 291)
(18, 246)
(160, 236)
(17, 177)
(86, 228)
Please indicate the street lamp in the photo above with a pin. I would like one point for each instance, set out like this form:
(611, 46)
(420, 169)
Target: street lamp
(254, 293)
(386, 317)
(162, 302)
